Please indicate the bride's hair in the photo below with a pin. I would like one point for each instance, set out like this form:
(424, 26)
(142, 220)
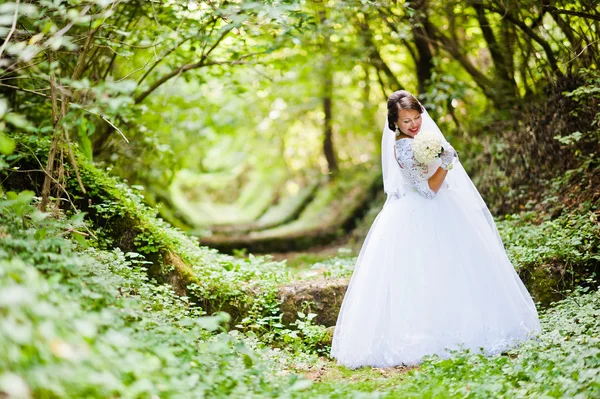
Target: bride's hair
(399, 100)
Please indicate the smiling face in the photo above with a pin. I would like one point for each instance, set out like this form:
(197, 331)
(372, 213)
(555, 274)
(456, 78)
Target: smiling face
(409, 122)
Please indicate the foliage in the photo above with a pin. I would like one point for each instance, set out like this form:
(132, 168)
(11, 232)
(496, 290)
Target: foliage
(302, 338)
(81, 71)
(552, 137)
(571, 239)
(87, 322)
(336, 267)
(587, 95)
(244, 287)
(237, 90)
(116, 333)
(7, 145)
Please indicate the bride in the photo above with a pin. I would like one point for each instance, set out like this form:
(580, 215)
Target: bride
(432, 275)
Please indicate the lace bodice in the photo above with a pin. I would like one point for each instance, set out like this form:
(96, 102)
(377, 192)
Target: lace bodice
(413, 172)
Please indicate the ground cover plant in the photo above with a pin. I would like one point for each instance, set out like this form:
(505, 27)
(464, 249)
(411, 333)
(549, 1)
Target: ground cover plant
(86, 322)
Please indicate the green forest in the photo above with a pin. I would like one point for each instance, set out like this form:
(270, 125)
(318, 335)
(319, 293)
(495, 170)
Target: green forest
(185, 186)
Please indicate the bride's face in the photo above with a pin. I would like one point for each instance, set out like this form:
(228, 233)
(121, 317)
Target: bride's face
(409, 122)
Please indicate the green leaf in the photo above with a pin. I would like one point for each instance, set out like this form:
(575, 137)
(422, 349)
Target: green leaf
(7, 145)
(19, 121)
(80, 239)
(248, 361)
(301, 385)
(210, 323)
(77, 218)
(40, 234)
(84, 131)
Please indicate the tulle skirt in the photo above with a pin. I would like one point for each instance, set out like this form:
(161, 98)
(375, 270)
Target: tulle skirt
(432, 276)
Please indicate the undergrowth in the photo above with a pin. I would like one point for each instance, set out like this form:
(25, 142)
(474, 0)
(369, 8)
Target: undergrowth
(87, 322)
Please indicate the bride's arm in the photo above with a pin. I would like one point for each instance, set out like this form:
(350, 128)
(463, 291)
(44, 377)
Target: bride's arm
(437, 179)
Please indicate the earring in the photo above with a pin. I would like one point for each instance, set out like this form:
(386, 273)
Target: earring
(397, 131)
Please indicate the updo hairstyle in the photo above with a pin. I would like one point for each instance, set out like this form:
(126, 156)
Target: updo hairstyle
(400, 100)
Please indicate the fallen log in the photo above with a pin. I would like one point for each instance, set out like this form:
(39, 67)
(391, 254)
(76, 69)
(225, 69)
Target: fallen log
(327, 218)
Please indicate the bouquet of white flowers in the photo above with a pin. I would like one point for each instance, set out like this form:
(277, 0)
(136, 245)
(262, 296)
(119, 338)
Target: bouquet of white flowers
(427, 146)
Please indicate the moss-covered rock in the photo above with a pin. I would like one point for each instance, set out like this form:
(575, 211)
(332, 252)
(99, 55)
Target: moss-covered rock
(323, 297)
(550, 283)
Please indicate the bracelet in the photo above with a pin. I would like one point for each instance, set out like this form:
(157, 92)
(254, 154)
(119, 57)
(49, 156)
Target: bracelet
(447, 166)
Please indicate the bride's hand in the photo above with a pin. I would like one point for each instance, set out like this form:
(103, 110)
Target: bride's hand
(448, 154)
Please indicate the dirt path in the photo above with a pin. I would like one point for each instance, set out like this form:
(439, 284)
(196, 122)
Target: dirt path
(330, 372)
(299, 260)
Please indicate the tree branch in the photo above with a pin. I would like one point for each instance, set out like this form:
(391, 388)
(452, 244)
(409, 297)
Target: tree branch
(529, 32)
(66, 28)
(202, 28)
(80, 67)
(145, 75)
(12, 28)
(554, 10)
(381, 84)
(380, 64)
(74, 105)
(451, 47)
(184, 68)
(114, 56)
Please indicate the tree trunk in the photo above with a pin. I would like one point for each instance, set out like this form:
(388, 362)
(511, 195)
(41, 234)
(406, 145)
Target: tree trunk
(505, 82)
(328, 149)
(508, 15)
(421, 34)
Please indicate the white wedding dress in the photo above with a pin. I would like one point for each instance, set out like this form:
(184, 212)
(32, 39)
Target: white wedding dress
(432, 276)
